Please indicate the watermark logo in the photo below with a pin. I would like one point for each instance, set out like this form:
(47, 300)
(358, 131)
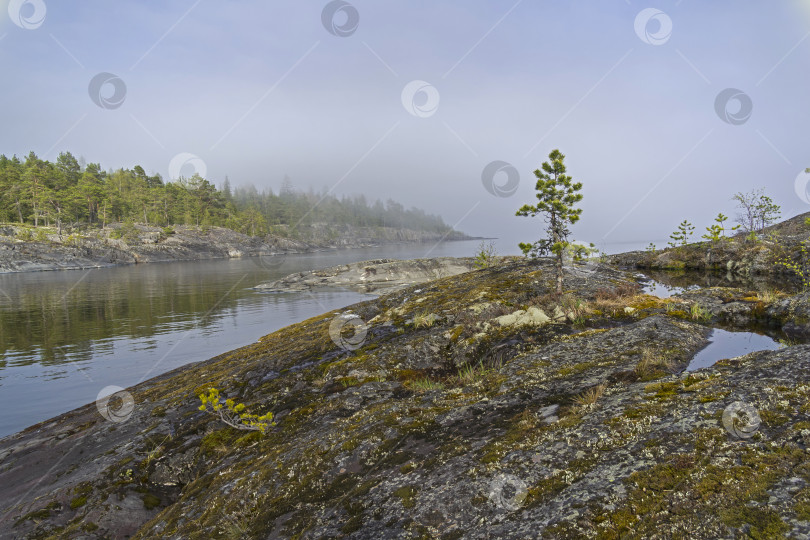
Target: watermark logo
(27, 14)
(99, 90)
(507, 492)
(115, 404)
(579, 260)
(802, 186)
(741, 419)
(500, 168)
(653, 26)
(181, 162)
(420, 98)
(340, 18)
(727, 113)
(270, 261)
(348, 331)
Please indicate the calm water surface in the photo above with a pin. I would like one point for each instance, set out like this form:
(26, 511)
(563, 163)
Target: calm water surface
(66, 335)
(724, 344)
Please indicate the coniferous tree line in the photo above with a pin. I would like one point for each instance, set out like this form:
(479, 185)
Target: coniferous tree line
(66, 193)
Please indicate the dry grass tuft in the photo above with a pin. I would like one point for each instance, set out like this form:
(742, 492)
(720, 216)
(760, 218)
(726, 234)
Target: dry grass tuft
(614, 305)
(621, 291)
(423, 320)
(652, 365)
(591, 395)
(769, 296)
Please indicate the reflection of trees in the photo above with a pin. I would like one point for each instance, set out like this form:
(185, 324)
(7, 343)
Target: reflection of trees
(672, 281)
(53, 318)
(52, 324)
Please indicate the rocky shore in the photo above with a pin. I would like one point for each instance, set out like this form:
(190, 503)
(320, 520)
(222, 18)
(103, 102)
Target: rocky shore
(369, 276)
(24, 249)
(736, 255)
(478, 405)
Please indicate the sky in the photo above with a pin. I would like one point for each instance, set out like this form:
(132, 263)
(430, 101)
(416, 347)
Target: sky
(664, 110)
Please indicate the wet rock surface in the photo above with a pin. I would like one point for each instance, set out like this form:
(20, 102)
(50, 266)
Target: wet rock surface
(445, 423)
(369, 276)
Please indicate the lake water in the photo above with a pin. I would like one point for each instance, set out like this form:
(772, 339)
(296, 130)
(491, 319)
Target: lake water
(724, 344)
(66, 335)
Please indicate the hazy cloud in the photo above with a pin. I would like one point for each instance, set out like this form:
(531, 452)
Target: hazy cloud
(258, 90)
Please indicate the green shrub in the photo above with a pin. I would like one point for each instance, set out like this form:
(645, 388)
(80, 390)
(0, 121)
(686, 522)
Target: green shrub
(801, 267)
(698, 313)
(486, 255)
(72, 240)
(126, 231)
(232, 413)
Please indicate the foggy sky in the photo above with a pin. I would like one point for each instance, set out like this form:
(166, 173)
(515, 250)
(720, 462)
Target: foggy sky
(259, 90)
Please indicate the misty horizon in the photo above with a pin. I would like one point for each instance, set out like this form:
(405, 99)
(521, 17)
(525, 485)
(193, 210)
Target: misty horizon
(663, 113)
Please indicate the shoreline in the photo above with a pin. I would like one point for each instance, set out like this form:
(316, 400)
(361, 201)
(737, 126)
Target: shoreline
(478, 375)
(184, 243)
(369, 421)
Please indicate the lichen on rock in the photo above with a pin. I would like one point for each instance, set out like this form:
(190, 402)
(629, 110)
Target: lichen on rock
(466, 412)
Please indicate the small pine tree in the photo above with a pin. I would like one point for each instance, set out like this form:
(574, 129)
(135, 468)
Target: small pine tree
(556, 195)
(717, 232)
(682, 235)
(486, 255)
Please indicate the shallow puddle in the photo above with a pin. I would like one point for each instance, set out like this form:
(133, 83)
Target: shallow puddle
(661, 290)
(724, 344)
(665, 284)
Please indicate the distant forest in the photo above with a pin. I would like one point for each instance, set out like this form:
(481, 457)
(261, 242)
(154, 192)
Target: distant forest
(38, 192)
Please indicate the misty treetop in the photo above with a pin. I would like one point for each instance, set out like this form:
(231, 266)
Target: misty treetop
(40, 192)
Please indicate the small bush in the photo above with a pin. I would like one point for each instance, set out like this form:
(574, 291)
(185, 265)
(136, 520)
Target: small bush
(699, 314)
(72, 240)
(801, 267)
(486, 255)
(232, 413)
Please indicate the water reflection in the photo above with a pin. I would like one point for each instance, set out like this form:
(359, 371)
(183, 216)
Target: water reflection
(668, 283)
(724, 344)
(66, 335)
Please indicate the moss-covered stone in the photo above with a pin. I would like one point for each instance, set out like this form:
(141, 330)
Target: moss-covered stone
(408, 435)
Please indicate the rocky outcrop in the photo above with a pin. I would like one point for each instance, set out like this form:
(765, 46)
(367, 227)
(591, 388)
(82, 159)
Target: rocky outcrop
(25, 249)
(736, 256)
(785, 316)
(434, 420)
(370, 276)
